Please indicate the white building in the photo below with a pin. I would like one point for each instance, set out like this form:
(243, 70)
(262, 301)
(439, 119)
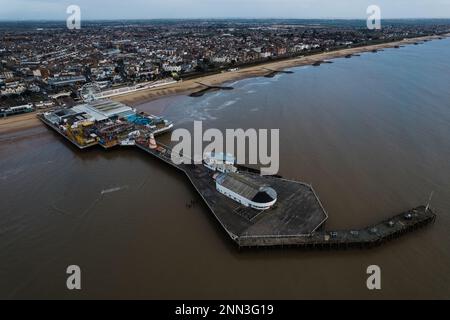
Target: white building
(37, 73)
(101, 110)
(171, 68)
(16, 110)
(221, 59)
(246, 191)
(219, 162)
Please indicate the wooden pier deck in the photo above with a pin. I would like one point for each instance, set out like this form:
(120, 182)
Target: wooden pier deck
(368, 237)
(51, 125)
(297, 218)
(298, 209)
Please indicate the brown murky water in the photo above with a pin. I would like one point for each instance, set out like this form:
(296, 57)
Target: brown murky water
(371, 133)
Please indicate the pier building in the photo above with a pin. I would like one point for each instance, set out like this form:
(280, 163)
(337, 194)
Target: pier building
(246, 191)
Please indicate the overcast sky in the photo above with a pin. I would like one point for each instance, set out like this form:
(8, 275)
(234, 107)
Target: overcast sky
(155, 9)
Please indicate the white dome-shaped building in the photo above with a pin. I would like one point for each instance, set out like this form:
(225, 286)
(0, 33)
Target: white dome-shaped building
(246, 191)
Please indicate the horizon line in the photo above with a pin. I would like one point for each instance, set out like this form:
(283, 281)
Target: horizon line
(217, 18)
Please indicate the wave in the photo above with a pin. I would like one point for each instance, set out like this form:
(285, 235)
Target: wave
(112, 190)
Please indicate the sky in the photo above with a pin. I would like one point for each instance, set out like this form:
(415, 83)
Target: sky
(163, 9)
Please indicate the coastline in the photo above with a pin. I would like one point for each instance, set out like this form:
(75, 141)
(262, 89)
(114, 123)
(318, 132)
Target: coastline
(29, 120)
(188, 86)
(19, 122)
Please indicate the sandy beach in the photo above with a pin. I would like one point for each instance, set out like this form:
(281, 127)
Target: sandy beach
(20, 122)
(188, 86)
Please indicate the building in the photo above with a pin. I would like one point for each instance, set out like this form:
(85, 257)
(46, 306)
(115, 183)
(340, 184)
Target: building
(171, 68)
(65, 116)
(246, 191)
(65, 81)
(98, 111)
(15, 87)
(104, 122)
(4, 112)
(101, 110)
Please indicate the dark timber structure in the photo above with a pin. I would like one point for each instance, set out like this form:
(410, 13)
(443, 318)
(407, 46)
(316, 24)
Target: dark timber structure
(297, 218)
(273, 73)
(207, 89)
(318, 63)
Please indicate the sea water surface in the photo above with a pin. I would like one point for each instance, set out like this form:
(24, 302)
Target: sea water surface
(371, 133)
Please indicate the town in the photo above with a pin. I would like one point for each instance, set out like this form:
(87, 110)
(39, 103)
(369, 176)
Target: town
(45, 65)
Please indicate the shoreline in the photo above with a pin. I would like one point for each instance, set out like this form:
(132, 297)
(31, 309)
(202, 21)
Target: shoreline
(29, 120)
(191, 85)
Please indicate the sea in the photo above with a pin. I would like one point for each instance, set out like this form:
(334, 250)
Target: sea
(370, 133)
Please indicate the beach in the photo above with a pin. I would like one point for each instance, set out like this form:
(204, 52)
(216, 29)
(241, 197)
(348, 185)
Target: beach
(188, 86)
(20, 122)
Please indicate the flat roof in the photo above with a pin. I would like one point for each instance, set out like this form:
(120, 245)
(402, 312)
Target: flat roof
(242, 185)
(103, 109)
(220, 156)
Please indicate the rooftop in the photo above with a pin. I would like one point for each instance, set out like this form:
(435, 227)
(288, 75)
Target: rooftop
(246, 187)
(103, 109)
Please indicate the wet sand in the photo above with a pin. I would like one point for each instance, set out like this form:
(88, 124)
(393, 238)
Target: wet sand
(19, 122)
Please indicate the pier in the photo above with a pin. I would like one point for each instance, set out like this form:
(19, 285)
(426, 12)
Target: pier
(297, 219)
(318, 63)
(365, 238)
(55, 128)
(351, 55)
(298, 210)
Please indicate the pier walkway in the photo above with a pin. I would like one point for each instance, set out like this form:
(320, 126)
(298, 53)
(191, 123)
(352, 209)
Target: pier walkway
(298, 209)
(343, 239)
(297, 218)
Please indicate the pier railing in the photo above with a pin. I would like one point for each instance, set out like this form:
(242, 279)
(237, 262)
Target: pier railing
(342, 239)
